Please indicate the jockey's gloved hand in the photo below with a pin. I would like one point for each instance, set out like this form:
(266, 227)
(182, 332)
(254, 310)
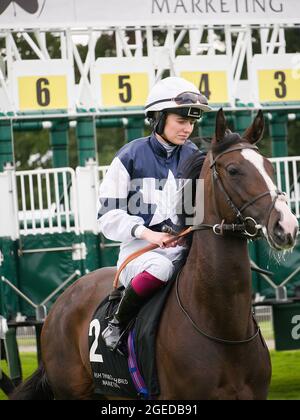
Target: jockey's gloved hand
(159, 238)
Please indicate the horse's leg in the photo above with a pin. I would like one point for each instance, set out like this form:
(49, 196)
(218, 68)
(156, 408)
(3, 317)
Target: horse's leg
(65, 336)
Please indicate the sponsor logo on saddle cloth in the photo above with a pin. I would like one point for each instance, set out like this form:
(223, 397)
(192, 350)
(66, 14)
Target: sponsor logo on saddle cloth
(132, 375)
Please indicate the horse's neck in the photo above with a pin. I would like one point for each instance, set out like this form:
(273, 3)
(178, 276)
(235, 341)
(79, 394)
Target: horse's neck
(217, 285)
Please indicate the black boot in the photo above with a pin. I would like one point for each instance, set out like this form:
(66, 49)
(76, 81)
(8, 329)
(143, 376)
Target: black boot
(129, 307)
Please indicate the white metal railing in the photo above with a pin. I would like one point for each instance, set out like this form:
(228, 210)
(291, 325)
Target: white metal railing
(47, 200)
(101, 172)
(287, 171)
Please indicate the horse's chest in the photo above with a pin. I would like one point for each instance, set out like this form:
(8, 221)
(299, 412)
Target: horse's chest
(220, 376)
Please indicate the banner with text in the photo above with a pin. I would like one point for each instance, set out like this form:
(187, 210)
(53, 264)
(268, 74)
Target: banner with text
(51, 14)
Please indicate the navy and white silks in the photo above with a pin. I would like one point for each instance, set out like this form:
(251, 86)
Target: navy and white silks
(141, 188)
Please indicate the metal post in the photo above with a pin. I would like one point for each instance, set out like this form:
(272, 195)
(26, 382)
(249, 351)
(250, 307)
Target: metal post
(59, 143)
(279, 134)
(208, 125)
(111, 122)
(6, 144)
(135, 128)
(13, 356)
(86, 140)
(243, 120)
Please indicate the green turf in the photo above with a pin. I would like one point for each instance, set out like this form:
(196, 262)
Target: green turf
(285, 383)
(29, 365)
(285, 379)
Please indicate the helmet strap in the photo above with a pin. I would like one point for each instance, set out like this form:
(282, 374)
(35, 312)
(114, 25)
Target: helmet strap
(159, 127)
(161, 123)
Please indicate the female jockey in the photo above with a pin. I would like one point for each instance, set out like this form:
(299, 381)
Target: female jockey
(138, 196)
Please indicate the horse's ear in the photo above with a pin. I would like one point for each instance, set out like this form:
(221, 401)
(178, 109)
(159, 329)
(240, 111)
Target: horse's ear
(256, 131)
(221, 126)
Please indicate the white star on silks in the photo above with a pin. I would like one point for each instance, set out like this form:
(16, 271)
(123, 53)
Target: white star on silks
(165, 199)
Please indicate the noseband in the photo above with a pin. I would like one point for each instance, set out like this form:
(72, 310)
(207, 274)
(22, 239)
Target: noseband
(246, 226)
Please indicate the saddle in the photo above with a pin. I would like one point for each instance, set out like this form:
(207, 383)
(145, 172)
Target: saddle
(133, 374)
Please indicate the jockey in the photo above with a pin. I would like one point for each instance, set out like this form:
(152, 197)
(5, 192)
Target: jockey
(137, 196)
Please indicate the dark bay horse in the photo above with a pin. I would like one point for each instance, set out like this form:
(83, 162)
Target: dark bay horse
(208, 346)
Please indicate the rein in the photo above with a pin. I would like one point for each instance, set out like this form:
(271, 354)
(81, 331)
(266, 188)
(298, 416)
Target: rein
(218, 230)
(211, 337)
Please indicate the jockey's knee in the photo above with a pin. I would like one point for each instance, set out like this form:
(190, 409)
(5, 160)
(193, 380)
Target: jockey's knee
(163, 269)
(157, 265)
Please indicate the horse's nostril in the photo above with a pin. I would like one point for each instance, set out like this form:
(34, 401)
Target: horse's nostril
(289, 239)
(282, 237)
(279, 232)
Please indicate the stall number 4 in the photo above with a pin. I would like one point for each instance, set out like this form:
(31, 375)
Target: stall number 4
(296, 329)
(94, 357)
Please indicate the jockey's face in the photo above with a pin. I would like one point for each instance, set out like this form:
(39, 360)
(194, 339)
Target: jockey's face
(178, 129)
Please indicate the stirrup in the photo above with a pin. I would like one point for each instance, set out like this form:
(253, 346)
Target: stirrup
(117, 346)
(111, 334)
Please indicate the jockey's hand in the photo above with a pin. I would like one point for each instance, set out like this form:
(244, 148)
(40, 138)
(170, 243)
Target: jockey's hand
(159, 238)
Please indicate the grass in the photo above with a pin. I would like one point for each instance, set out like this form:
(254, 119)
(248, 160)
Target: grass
(29, 365)
(285, 379)
(286, 376)
(267, 330)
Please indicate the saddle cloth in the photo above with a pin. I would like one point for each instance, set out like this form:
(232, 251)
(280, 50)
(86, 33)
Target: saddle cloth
(111, 371)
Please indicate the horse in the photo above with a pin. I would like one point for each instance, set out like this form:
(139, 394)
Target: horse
(208, 345)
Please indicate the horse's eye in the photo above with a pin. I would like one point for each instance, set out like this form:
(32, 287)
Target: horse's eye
(232, 170)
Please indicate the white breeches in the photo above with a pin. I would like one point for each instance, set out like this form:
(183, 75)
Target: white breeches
(159, 262)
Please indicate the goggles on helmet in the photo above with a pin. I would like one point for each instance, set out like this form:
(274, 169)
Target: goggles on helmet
(185, 98)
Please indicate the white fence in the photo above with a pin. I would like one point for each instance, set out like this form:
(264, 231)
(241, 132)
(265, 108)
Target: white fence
(63, 200)
(287, 177)
(47, 201)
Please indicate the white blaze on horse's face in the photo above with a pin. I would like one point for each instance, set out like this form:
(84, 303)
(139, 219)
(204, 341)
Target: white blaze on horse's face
(258, 161)
(287, 225)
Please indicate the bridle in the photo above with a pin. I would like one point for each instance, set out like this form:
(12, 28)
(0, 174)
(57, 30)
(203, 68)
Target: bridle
(243, 224)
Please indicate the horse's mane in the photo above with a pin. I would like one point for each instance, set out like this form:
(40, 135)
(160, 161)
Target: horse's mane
(191, 167)
(229, 140)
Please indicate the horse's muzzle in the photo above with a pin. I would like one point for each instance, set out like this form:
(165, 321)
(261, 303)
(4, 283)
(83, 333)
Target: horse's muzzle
(284, 239)
(283, 236)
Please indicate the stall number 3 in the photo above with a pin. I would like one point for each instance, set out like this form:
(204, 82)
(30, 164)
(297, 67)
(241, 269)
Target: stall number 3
(281, 90)
(94, 357)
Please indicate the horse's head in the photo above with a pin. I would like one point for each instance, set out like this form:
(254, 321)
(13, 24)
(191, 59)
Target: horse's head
(243, 185)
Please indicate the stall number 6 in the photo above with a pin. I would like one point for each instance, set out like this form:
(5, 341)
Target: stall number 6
(95, 325)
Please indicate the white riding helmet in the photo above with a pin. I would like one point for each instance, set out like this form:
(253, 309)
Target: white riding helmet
(175, 92)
